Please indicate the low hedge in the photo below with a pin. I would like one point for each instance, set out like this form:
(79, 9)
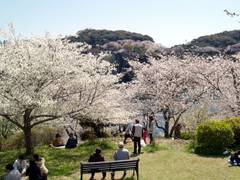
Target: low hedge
(234, 122)
(213, 137)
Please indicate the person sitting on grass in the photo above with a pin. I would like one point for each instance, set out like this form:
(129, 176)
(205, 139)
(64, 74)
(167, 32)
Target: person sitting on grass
(33, 171)
(235, 158)
(72, 140)
(58, 141)
(40, 162)
(121, 154)
(97, 157)
(12, 173)
(20, 164)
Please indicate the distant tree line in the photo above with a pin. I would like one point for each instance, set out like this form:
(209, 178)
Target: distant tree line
(100, 37)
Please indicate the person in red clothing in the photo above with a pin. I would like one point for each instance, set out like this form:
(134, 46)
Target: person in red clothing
(145, 135)
(97, 157)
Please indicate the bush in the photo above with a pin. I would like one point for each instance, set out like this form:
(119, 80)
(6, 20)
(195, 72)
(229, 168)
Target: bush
(213, 137)
(187, 135)
(88, 135)
(40, 136)
(234, 122)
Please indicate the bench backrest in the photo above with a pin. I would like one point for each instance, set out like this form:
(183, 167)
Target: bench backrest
(87, 167)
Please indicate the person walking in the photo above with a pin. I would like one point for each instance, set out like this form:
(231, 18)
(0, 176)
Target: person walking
(137, 135)
(128, 133)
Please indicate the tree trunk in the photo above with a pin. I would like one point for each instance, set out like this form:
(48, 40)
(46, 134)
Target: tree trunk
(166, 116)
(166, 131)
(28, 140)
(27, 129)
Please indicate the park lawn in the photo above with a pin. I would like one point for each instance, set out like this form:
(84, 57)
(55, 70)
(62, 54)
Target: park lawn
(168, 160)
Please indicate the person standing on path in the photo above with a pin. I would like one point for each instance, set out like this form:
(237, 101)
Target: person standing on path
(151, 127)
(137, 135)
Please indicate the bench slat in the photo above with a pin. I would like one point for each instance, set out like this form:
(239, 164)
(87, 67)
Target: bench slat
(88, 167)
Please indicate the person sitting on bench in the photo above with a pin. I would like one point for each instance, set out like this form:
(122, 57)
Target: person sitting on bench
(121, 154)
(97, 157)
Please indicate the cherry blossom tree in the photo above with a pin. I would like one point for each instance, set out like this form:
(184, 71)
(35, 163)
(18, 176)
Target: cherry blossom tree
(43, 79)
(223, 76)
(170, 86)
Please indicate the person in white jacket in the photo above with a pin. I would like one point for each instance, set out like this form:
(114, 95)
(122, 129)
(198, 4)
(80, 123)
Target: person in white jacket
(137, 135)
(20, 164)
(12, 173)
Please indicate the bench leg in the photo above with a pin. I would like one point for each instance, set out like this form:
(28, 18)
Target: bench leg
(137, 173)
(81, 177)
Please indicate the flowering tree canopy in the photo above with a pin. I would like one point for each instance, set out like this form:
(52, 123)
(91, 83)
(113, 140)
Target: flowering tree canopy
(43, 79)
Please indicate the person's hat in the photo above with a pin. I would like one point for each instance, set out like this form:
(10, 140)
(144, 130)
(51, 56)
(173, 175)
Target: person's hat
(120, 145)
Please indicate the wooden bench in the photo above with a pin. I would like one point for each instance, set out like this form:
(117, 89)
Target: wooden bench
(109, 166)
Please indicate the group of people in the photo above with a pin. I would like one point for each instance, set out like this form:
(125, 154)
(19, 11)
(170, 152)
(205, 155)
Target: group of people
(139, 131)
(72, 141)
(120, 154)
(35, 169)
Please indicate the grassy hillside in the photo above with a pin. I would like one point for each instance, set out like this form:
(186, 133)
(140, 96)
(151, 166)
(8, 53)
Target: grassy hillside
(169, 160)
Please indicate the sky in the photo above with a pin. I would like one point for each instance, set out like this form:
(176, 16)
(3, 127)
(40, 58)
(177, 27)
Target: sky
(168, 22)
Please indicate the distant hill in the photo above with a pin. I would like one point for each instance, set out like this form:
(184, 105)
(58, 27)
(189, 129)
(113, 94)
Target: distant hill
(225, 43)
(125, 46)
(219, 40)
(99, 37)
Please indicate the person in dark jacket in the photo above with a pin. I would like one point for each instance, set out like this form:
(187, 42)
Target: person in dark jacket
(235, 158)
(72, 140)
(33, 171)
(97, 157)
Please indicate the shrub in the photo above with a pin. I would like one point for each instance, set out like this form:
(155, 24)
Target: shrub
(234, 122)
(40, 136)
(213, 137)
(88, 135)
(187, 135)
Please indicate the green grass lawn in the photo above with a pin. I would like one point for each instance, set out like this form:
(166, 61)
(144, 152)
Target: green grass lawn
(168, 160)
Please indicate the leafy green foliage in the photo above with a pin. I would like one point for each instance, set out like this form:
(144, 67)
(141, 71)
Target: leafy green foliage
(187, 135)
(234, 122)
(213, 137)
